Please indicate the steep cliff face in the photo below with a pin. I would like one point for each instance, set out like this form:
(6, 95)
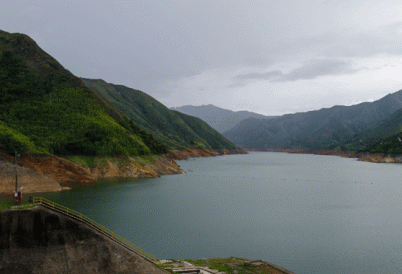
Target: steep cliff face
(160, 165)
(30, 180)
(59, 169)
(39, 240)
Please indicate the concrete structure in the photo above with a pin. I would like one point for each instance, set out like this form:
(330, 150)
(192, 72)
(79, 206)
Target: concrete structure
(40, 240)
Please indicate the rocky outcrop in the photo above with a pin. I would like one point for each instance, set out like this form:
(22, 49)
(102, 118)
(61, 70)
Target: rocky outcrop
(31, 181)
(113, 170)
(161, 165)
(56, 168)
(231, 152)
(199, 152)
(380, 158)
(39, 240)
(164, 166)
(347, 154)
(44, 173)
(364, 157)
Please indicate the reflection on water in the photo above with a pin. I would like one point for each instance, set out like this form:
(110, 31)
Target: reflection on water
(307, 213)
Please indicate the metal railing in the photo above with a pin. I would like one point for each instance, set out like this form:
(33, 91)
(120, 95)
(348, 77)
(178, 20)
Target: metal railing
(107, 232)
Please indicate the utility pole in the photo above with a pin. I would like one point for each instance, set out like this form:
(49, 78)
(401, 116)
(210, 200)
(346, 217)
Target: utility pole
(17, 156)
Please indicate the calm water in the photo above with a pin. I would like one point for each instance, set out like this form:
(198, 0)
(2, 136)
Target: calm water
(307, 213)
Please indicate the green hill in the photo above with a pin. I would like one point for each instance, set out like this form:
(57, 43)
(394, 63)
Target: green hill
(176, 130)
(326, 128)
(383, 137)
(45, 108)
(389, 146)
(374, 135)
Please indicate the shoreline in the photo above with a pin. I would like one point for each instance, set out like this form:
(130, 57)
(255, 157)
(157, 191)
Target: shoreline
(363, 157)
(50, 173)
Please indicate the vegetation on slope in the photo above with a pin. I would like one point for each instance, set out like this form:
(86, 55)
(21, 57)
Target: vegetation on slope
(321, 129)
(176, 130)
(374, 135)
(44, 108)
(203, 130)
(389, 146)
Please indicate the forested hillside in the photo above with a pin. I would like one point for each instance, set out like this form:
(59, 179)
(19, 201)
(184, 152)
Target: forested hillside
(44, 108)
(321, 129)
(375, 134)
(176, 130)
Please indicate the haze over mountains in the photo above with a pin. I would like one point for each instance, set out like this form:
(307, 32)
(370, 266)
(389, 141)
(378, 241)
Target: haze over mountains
(218, 118)
(361, 127)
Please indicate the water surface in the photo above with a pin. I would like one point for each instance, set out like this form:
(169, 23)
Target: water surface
(307, 213)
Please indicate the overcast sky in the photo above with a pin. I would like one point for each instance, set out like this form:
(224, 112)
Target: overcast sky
(270, 57)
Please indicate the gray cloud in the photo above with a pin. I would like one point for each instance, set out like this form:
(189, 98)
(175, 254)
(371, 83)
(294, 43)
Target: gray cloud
(149, 44)
(310, 70)
(317, 68)
(263, 76)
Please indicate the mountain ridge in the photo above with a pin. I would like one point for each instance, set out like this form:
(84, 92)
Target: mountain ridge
(47, 109)
(218, 118)
(325, 128)
(176, 130)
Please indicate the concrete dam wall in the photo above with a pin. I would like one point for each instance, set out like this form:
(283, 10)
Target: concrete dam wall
(39, 240)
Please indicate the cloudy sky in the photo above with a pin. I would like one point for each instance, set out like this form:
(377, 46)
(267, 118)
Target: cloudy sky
(271, 57)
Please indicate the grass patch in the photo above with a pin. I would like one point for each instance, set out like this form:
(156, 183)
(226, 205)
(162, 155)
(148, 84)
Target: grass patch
(85, 161)
(14, 205)
(229, 265)
(217, 264)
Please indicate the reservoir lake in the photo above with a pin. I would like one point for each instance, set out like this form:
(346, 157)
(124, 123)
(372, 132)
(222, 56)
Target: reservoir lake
(306, 213)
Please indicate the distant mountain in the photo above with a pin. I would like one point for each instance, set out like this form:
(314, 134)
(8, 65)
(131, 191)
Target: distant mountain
(174, 129)
(45, 108)
(220, 119)
(326, 128)
(373, 135)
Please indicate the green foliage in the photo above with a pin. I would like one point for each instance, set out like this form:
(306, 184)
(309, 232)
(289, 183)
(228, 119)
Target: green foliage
(14, 205)
(85, 161)
(199, 145)
(11, 141)
(229, 265)
(168, 127)
(55, 114)
(17, 80)
(389, 146)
